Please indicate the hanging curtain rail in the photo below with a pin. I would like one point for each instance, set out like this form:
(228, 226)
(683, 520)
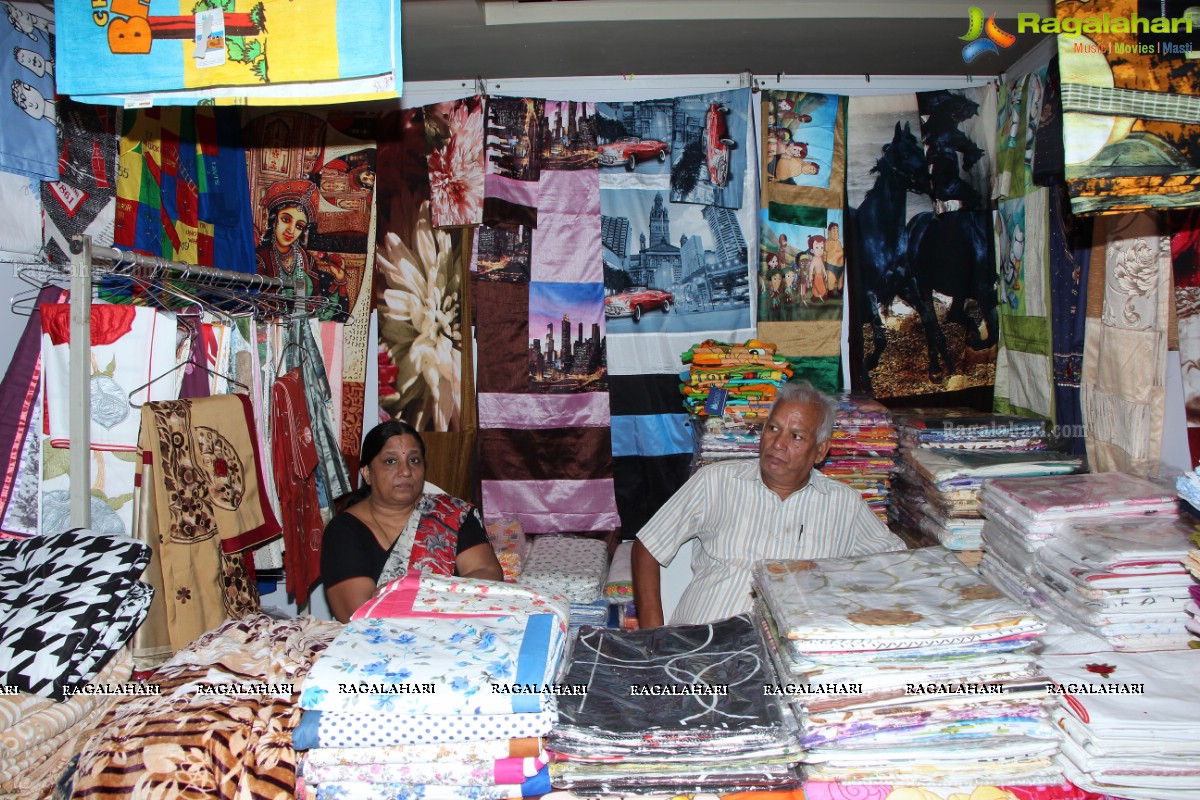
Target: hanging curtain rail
(128, 260)
(83, 264)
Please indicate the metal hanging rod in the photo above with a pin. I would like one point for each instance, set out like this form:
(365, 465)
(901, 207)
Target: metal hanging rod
(128, 258)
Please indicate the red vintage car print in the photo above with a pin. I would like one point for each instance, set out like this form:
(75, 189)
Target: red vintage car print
(637, 301)
(717, 143)
(631, 151)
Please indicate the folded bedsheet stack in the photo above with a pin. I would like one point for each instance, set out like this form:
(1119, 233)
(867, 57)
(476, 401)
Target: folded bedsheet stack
(1188, 487)
(426, 690)
(946, 504)
(68, 602)
(573, 567)
(907, 667)
(952, 509)
(678, 709)
(1131, 722)
(863, 450)
(967, 429)
(218, 722)
(38, 736)
(1101, 572)
(1118, 577)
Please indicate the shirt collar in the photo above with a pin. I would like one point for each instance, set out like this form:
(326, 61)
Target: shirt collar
(816, 479)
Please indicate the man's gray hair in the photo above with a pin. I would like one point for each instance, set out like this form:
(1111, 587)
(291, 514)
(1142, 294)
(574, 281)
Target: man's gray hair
(802, 391)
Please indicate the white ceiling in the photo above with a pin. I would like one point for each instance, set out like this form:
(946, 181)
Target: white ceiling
(492, 39)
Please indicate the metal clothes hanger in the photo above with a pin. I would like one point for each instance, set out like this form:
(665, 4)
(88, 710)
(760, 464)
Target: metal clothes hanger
(191, 341)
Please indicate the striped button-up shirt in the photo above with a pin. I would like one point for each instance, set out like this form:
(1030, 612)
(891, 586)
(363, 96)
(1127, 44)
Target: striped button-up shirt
(738, 521)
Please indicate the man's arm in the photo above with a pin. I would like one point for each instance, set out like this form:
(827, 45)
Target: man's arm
(647, 581)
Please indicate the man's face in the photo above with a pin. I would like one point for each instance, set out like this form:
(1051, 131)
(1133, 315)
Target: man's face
(789, 449)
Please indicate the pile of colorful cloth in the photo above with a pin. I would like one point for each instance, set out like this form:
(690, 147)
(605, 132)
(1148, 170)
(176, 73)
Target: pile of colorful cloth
(675, 709)
(216, 719)
(748, 376)
(1098, 552)
(863, 453)
(907, 667)
(433, 690)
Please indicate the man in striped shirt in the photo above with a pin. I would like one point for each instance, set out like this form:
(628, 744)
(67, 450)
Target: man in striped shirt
(741, 512)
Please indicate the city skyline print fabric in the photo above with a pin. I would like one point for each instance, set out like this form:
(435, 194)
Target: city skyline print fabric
(676, 272)
(545, 452)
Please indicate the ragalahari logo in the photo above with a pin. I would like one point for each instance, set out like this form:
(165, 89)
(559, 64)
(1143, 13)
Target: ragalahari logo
(996, 37)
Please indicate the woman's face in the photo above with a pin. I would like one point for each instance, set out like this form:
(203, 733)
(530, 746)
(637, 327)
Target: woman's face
(289, 227)
(397, 474)
(776, 281)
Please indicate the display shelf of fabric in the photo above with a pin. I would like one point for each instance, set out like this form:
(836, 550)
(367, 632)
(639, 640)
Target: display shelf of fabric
(907, 664)
(709, 727)
(68, 602)
(1129, 722)
(571, 566)
(949, 515)
(38, 737)
(225, 54)
(223, 707)
(423, 692)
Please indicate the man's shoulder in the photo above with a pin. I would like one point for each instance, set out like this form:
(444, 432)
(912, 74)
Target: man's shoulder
(835, 488)
(735, 469)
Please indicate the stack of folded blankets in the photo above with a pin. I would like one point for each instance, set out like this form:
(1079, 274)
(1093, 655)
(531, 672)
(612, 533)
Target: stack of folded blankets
(68, 603)
(215, 720)
(920, 511)
(863, 452)
(1130, 722)
(946, 504)
(573, 567)
(1099, 573)
(907, 667)
(38, 736)
(673, 710)
(748, 376)
(716, 439)
(427, 690)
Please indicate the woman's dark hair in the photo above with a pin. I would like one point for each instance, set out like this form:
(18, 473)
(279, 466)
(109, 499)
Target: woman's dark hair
(378, 436)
